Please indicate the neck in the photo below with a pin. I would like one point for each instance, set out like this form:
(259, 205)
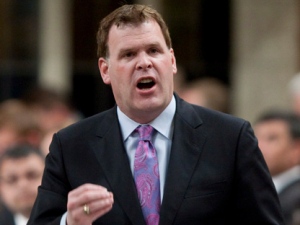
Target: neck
(26, 213)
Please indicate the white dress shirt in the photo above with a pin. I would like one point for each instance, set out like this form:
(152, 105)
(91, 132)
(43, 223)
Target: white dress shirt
(282, 180)
(162, 141)
(20, 219)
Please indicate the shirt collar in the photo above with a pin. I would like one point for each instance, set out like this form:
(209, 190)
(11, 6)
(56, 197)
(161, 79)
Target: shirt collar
(20, 219)
(283, 179)
(162, 123)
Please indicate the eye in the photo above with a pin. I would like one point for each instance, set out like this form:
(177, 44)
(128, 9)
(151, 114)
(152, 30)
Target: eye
(272, 137)
(128, 55)
(32, 175)
(153, 50)
(10, 180)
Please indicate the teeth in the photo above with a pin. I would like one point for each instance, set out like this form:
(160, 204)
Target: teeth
(144, 81)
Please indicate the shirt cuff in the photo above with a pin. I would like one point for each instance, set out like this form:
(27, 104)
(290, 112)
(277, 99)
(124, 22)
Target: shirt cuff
(63, 220)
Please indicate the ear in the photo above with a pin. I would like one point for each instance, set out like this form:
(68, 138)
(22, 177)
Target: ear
(104, 70)
(173, 61)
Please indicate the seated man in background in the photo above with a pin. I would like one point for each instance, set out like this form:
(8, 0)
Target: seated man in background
(18, 125)
(208, 92)
(21, 169)
(278, 135)
(52, 110)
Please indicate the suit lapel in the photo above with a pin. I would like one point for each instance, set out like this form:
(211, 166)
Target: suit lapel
(185, 154)
(114, 162)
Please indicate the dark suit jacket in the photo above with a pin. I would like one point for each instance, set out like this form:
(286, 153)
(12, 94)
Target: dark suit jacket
(6, 217)
(216, 173)
(289, 198)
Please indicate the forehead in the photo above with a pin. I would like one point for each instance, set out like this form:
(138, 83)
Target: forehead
(135, 33)
(272, 126)
(32, 162)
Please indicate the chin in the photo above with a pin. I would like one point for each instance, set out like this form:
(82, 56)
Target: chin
(151, 105)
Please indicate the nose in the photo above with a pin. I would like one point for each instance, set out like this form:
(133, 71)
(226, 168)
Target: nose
(143, 62)
(23, 182)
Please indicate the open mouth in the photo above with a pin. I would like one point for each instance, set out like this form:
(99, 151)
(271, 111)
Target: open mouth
(145, 84)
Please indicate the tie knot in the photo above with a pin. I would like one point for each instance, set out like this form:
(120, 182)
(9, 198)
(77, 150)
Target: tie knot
(145, 132)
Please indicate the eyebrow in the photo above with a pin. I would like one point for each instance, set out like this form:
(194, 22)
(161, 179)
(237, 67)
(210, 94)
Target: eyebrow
(129, 49)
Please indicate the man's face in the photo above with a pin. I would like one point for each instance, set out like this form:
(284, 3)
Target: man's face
(140, 70)
(19, 181)
(8, 137)
(276, 145)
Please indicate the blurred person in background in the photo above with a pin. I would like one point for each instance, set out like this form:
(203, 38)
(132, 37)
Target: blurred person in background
(48, 135)
(53, 112)
(52, 109)
(278, 134)
(294, 93)
(17, 125)
(180, 79)
(296, 217)
(208, 92)
(21, 169)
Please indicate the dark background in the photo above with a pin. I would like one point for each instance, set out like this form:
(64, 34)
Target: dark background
(200, 32)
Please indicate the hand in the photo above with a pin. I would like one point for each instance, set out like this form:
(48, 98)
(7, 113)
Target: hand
(97, 199)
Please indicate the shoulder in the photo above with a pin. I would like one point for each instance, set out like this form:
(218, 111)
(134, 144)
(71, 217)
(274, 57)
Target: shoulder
(6, 217)
(93, 124)
(207, 117)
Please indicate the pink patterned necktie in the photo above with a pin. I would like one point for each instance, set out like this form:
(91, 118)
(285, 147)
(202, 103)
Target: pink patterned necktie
(146, 175)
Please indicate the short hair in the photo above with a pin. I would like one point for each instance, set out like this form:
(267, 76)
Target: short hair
(20, 151)
(292, 120)
(14, 113)
(128, 15)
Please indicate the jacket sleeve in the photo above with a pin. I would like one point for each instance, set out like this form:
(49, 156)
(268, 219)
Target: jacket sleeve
(51, 201)
(256, 198)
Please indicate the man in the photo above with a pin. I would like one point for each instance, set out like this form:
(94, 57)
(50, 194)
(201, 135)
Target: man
(21, 169)
(209, 166)
(278, 135)
(17, 125)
